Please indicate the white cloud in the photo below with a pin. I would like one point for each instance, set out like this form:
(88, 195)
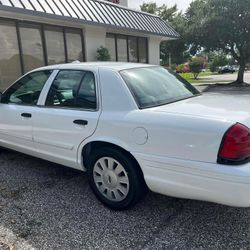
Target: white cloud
(182, 4)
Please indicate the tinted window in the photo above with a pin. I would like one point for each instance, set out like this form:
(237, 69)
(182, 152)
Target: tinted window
(55, 45)
(10, 68)
(154, 86)
(74, 46)
(27, 90)
(73, 89)
(133, 51)
(110, 44)
(32, 47)
(122, 49)
(143, 50)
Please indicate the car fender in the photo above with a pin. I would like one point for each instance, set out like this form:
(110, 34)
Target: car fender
(94, 138)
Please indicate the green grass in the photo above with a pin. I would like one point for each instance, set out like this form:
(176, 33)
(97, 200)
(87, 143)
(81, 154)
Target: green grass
(190, 77)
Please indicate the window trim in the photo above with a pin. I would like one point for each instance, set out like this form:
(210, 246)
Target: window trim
(43, 105)
(116, 37)
(153, 106)
(20, 78)
(67, 30)
(36, 26)
(45, 41)
(42, 27)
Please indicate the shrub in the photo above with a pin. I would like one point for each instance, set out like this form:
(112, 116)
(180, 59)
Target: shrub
(173, 66)
(180, 67)
(196, 65)
(102, 54)
(212, 67)
(218, 60)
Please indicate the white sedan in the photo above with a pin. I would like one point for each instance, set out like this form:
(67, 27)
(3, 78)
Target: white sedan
(132, 127)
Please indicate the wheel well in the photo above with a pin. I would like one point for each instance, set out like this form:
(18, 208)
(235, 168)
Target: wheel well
(92, 146)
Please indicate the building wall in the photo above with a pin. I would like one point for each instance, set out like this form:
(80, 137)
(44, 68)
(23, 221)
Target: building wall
(124, 2)
(94, 37)
(154, 50)
(121, 2)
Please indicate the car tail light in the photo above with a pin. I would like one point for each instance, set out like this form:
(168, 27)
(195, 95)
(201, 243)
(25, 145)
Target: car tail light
(235, 146)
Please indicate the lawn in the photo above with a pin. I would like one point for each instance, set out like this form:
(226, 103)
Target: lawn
(190, 77)
(204, 80)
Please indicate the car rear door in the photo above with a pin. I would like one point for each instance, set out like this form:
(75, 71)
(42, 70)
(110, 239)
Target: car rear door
(68, 115)
(18, 103)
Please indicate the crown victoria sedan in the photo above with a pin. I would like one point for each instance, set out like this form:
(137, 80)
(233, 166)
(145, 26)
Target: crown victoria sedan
(132, 127)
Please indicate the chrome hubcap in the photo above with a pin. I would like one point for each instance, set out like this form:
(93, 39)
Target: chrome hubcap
(111, 179)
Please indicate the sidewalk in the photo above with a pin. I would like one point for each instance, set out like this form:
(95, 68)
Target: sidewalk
(223, 88)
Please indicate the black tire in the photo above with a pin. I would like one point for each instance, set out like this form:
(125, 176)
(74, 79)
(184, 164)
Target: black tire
(137, 186)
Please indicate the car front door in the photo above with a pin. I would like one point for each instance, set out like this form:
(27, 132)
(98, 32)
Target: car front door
(18, 103)
(69, 114)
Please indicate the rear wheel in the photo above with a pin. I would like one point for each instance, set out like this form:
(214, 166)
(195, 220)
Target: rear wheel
(115, 178)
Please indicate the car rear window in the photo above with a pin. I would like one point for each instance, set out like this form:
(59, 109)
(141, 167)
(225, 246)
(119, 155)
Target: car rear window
(155, 86)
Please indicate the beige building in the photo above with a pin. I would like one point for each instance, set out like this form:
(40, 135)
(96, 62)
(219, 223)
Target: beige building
(35, 33)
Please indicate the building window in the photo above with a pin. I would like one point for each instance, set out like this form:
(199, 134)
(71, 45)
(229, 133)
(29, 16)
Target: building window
(55, 45)
(74, 45)
(32, 47)
(143, 50)
(133, 49)
(10, 68)
(110, 44)
(127, 48)
(122, 49)
(26, 45)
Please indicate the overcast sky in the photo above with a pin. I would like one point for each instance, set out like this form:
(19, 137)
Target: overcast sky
(182, 4)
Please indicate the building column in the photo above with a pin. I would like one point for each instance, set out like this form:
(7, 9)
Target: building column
(94, 37)
(154, 50)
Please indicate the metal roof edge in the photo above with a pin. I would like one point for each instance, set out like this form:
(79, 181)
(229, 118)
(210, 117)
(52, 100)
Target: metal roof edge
(80, 21)
(127, 8)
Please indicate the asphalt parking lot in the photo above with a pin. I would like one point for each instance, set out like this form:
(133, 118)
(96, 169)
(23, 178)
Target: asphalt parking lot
(48, 206)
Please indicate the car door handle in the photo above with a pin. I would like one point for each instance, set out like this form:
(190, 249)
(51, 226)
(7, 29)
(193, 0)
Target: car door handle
(27, 115)
(81, 122)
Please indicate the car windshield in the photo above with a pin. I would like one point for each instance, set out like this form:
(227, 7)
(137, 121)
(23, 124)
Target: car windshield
(155, 86)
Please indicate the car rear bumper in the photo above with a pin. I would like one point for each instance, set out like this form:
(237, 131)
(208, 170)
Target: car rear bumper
(228, 185)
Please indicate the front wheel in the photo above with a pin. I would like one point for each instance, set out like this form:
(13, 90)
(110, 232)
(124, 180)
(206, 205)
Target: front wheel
(115, 178)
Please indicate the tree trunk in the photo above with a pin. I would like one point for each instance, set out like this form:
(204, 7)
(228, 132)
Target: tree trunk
(240, 78)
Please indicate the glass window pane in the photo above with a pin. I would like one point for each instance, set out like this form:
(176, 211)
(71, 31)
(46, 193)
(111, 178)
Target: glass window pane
(133, 52)
(32, 47)
(55, 46)
(167, 87)
(73, 89)
(143, 50)
(74, 46)
(86, 96)
(110, 45)
(27, 90)
(122, 48)
(64, 88)
(10, 68)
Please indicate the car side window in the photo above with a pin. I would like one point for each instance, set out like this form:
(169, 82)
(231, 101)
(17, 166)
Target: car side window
(27, 90)
(73, 89)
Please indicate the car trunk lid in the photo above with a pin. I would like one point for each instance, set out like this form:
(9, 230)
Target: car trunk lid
(214, 106)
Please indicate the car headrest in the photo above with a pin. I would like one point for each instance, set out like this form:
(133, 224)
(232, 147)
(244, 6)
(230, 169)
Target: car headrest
(75, 89)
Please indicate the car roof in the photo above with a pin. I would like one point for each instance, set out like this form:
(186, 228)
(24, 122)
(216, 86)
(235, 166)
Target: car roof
(116, 66)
